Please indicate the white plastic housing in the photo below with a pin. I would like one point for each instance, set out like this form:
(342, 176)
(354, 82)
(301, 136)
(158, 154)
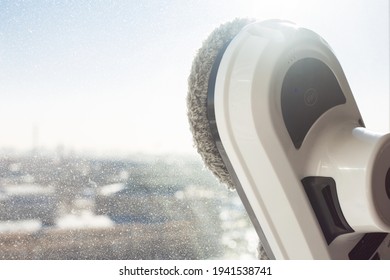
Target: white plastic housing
(358, 160)
(269, 167)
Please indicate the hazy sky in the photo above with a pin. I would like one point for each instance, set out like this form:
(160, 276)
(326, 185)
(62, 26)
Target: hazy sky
(111, 76)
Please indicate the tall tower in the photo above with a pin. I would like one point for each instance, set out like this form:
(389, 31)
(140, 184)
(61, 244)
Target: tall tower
(35, 138)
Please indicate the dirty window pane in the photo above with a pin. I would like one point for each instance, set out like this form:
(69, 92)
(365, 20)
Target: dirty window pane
(96, 157)
(69, 207)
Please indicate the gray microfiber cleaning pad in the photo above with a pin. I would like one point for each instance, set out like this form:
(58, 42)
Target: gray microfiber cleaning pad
(197, 97)
(197, 101)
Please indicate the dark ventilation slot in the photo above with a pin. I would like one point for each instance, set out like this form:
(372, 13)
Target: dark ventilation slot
(376, 257)
(367, 246)
(322, 195)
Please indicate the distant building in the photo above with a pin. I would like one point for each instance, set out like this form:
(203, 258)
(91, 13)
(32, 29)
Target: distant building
(28, 201)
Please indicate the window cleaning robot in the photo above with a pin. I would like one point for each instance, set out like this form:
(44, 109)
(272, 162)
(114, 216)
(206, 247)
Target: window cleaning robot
(273, 117)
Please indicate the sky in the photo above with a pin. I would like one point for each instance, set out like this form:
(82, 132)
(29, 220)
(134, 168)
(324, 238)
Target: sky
(111, 76)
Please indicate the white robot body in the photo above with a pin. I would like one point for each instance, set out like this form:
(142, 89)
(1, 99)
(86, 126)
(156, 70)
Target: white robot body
(314, 180)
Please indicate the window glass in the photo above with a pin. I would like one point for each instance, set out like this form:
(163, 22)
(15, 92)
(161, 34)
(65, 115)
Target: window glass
(96, 157)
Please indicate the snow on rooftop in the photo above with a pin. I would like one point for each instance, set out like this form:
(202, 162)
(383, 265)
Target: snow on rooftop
(111, 189)
(26, 189)
(20, 226)
(85, 219)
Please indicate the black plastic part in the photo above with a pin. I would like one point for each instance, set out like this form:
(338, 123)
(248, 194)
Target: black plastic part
(309, 89)
(376, 257)
(387, 183)
(367, 246)
(322, 195)
(210, 93)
